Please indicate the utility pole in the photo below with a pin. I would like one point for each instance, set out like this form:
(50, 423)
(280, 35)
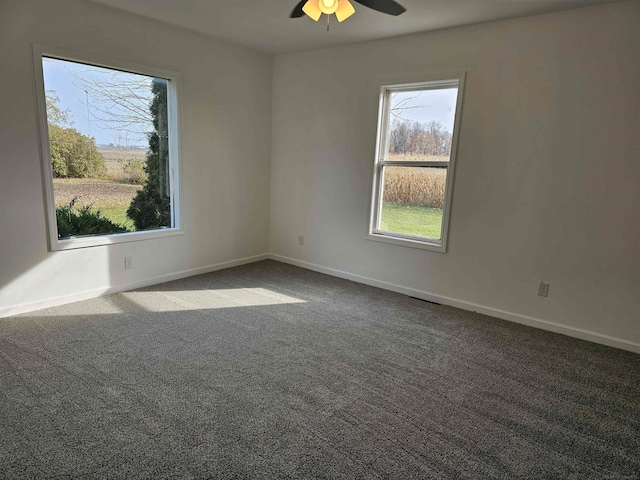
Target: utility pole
(89, 120)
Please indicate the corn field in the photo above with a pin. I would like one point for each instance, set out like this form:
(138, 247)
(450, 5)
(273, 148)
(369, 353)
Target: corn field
(423, 187)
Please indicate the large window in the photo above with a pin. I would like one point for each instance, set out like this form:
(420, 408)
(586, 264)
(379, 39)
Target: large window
(109, 137)
(415, 160)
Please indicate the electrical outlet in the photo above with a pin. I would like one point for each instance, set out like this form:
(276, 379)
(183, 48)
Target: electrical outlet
(300, 240)
(128, 263)
(543, 289)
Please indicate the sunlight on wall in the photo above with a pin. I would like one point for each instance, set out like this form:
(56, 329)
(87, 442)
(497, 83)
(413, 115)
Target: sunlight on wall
(173, 301)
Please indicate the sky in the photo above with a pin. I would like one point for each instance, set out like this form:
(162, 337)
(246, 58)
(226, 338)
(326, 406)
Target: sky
(65, 79)
(438, 105)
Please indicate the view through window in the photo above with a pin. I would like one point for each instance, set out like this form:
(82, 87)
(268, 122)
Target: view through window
(109, 149)
(415, 161)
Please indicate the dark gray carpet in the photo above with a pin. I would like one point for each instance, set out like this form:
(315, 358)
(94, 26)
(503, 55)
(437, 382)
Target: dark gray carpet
(271, 371)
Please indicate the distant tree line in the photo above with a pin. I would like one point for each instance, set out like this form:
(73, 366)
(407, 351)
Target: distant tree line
(409, 137)
(72, 154)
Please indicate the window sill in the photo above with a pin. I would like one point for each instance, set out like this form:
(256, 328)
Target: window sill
(407, 242)
(99, 240)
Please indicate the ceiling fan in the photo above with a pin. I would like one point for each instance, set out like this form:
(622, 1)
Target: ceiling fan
(343, 8)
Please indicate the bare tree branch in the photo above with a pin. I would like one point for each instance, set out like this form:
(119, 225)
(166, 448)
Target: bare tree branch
(399, 108)
(119, 101)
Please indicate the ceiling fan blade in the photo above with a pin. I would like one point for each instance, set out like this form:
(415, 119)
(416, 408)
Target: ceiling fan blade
(297, 10)
(390, 7)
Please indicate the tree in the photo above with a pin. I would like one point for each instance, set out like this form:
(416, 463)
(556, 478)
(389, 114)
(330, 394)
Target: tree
(151, 207)
(55, 115)
(412, 137)
(399, 136)
(72, 153)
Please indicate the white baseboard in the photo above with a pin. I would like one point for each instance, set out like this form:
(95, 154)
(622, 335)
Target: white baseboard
(453, 302)
(97, 292)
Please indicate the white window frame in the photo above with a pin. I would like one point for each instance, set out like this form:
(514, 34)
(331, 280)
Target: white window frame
(385, 89)
(56, 244)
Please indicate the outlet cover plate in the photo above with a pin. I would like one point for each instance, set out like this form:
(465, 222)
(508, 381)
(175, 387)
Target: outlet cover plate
(543, 289)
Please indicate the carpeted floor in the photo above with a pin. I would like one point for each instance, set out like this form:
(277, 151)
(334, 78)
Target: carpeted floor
(271, 371)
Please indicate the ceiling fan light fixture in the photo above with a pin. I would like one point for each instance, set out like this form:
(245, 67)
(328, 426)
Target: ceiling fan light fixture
(328, 6)
(344, 10)
(312, 9)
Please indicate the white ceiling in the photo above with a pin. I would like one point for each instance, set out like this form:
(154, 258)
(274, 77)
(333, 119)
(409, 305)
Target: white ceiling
(264, 25)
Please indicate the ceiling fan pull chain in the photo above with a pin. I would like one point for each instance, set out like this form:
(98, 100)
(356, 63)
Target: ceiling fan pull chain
(328, 19)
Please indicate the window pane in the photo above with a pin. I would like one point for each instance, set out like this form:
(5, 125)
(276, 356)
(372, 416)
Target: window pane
(412, 201)
(421, 124)
(109, 145)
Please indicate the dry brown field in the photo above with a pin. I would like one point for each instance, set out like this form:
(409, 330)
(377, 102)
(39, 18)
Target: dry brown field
(90, 191)
(124, 165)
(117, 188)
(424, 187)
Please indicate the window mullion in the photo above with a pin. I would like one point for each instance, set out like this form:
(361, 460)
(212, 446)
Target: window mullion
(438, 164)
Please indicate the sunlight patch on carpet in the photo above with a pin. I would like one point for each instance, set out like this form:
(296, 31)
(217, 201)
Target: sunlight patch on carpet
(208, 299)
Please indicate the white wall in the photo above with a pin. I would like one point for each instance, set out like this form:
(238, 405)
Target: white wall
(225, 145)
(548, 174)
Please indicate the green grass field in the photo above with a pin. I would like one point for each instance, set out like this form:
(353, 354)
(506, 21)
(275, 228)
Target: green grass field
(411, 220)
(118, 214)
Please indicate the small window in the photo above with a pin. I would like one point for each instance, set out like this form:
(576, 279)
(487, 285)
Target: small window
(415, 160)
(109, 153)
